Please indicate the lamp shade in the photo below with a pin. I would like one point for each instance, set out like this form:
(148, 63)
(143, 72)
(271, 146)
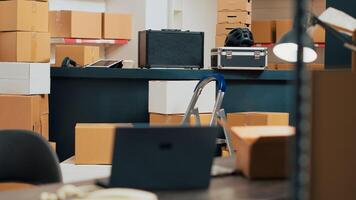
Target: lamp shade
(286, 49)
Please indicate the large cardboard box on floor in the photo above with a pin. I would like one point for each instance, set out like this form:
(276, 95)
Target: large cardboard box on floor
(263, 31)
(94, 142)
(25, 78)
(25, 113)
(117, 26)
(225, 29)
(166, 120)
(24, 47)
(262, 151)
(173, 97)
(282, 27)
(24, 16)
(333, 135)
(235, 17)
(234, 5)
(82, 55)
(75, 24)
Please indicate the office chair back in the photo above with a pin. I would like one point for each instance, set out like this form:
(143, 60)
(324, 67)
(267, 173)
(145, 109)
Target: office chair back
(26, 157)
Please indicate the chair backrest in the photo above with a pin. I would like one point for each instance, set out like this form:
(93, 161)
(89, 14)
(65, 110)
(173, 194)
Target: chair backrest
(26, 157)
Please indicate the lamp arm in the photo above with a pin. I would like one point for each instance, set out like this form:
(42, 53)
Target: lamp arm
(348, 43)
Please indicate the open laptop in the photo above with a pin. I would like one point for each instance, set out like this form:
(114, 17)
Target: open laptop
(162, 158)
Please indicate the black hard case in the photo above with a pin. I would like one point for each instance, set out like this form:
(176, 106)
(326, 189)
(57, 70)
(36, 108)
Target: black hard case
(171, 49)
(239, 58)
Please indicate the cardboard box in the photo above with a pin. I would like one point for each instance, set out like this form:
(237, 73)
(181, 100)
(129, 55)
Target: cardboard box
(225, 29)
(117, 26)
(263, 31)
(263, 151)
(24, 113)
(235, 17)
(234, 5)
(94, 142)
(318, 34)
(282, 27)
(83, 55)
(163, 97)
(160, 119)
(311, 66)
(24, 16)
(258, 119)
(53, 146)
(24, 47)
(75, 24)
(220, 40)
(333, 138)
(25, 78)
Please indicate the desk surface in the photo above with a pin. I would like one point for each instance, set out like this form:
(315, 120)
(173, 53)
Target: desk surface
(221, 188)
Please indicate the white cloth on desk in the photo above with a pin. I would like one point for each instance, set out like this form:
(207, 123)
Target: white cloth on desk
(74, 173)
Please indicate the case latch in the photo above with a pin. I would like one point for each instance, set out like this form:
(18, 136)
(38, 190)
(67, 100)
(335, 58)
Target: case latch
(257, 55)
(229, 55)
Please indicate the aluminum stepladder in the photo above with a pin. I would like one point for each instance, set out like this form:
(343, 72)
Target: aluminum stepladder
(218, 113)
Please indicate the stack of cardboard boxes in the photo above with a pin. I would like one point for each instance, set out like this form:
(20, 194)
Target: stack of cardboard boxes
(24, 66)
(232, 14)
(73, 24)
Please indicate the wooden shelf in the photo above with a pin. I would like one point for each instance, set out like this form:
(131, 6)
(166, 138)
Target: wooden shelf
(88, 41)
(317, 45)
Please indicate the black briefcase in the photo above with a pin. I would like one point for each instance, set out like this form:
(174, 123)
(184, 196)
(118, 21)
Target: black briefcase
(171, 49)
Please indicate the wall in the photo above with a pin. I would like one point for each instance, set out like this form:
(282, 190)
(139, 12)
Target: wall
(200, 15)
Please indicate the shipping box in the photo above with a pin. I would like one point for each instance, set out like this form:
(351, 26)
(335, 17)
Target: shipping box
(24, 47)
(234, 5)
(263, 31)
(24, 16)
(75, 24)
(25, 78)
(173, 97)
(263, 151)
(25, 113)
(333, 135)
(235, 17)
(256, 119)
(225, 29)
(318, 34)
(282, 27)
(167, 120)
(82, 55)
(94, 142)
(220, 40)
(117, 26)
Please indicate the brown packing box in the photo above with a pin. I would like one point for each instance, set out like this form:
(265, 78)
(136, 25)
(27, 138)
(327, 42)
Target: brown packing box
(282, 27)
(83, 55)
(234, 5)
(24, 16)
(333, 135)
(224, 29)
(311, 66)
(263, 31)
(354, 55)
(94, 142)
(256, 119)
(53, 145)
(24, 47)
(161, 119)
(263, 151)
(25, 113)
(117, 26)
(220, 40)
(75, 24)
(235, 17)
(319, 35)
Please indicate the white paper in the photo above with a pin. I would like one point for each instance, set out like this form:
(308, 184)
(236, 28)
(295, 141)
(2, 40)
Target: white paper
(340, 19)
